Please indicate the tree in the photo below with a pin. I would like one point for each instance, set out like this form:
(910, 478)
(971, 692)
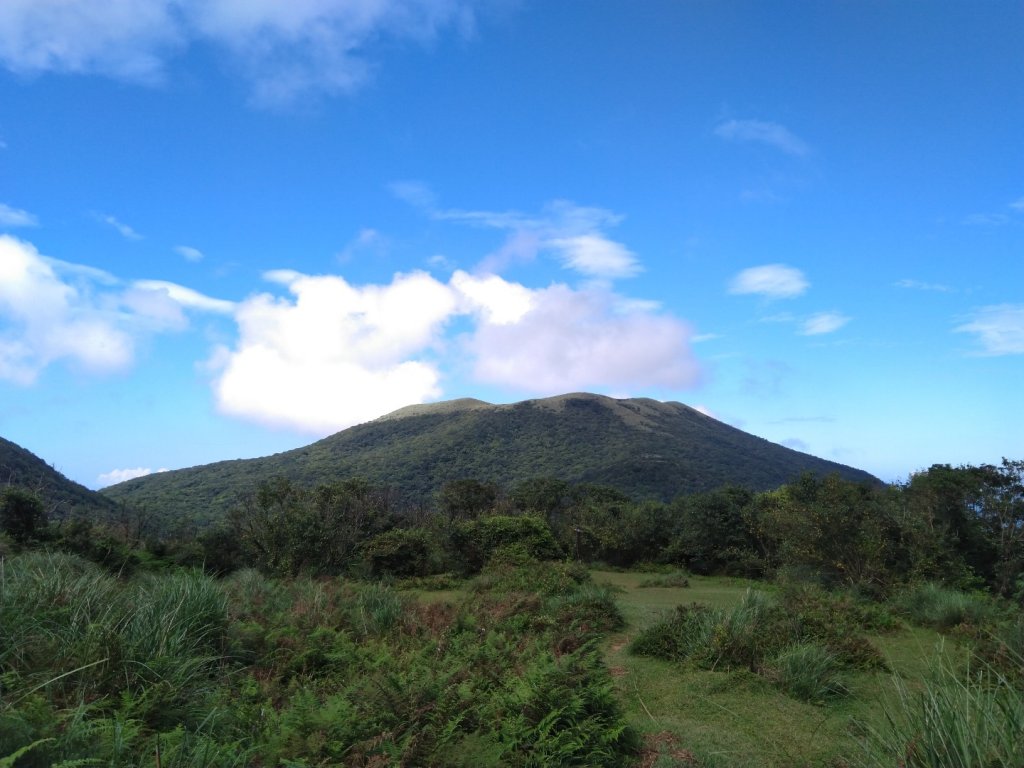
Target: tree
(467, 499)
(22, 514)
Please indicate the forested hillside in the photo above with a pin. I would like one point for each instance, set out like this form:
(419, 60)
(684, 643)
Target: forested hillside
(60, 496)
(643, 448)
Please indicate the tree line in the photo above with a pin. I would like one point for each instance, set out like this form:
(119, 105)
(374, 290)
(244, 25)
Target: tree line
(963, 526)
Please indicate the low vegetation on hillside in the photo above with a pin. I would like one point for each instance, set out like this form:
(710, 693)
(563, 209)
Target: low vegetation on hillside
(329, 625)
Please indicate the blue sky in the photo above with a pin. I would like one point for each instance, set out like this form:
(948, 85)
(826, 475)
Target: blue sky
(231, 227)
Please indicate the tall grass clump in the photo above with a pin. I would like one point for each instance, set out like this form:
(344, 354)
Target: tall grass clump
(176, 628)
(962, 718)
(932, 605)
(808, 672)
(56, 614)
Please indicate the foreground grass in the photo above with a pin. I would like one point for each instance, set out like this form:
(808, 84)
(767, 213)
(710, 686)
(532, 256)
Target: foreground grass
(735, 717)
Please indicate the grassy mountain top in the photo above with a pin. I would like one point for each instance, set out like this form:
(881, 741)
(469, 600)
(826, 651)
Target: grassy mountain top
(646, 448)
(61, 497)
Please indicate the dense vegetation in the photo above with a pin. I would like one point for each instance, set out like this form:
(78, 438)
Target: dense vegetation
(307, 628)
(61, 497)
(643, 448)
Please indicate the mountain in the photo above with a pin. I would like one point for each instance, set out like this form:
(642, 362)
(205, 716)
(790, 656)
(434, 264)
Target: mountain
(61, 497)
(646, 448)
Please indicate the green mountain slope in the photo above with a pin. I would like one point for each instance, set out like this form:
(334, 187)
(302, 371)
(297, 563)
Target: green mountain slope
(645, 448)
(61, 497)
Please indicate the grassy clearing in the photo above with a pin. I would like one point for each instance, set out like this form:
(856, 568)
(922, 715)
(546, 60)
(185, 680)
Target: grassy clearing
(734, 717)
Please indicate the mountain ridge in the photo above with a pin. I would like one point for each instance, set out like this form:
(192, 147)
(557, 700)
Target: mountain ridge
(646, 448)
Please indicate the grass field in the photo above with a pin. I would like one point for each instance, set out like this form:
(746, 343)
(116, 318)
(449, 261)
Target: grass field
(737, 718)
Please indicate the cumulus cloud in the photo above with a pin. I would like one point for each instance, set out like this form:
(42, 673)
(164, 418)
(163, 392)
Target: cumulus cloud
(331, 354)
(576, 339)
(763, 132)
(822, 323)
(998, 329)
(122, 475)
(53, 310)
(15, 217)
(48, 319)
(284, 49)
(775, 281)
(188, 252)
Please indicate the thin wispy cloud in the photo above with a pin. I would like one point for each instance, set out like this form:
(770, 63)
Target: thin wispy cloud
(763, 132)
(918, 285)
(1018, 205)
(285, 50)
(986, 219)
(576, 235)
(16, 217)
(998, 329)
(189, 253)
(773, 281)
(822, 323)
(127, 232)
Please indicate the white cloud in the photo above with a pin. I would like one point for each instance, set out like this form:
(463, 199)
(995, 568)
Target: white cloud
(15, 217)
(127, 39)
(188, 252)
(796, 444)
(577, 340)
(823, 322)
(186, 297)
(126, 232)
(48, 319)
(335, 354)
(496, 300)
(1018, 205)
(595, 255)
(776, 281)
(284, 49)
(53, 310)
(763, 132)
(999, 329)
(122, 475)
(332, 354)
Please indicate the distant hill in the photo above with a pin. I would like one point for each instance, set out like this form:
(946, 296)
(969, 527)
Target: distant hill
(61, 497)
(645, 448)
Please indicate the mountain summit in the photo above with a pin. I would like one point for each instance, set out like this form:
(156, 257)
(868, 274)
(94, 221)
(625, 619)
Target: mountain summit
(646, 448)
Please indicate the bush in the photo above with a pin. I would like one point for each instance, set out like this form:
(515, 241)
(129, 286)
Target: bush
(478, 540)
(932, 605)
(400, 552)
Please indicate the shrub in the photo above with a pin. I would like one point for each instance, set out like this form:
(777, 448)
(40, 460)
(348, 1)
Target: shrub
(478, 540)
(401, 552)
(932, 605)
